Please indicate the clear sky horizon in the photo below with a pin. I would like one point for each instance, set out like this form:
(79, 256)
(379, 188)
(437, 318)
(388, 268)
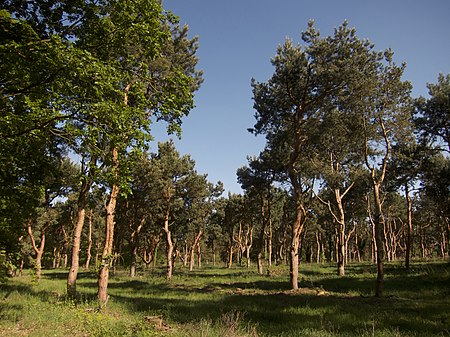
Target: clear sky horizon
(237, 40)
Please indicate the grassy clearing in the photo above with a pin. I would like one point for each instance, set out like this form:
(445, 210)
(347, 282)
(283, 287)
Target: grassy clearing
(236, 302)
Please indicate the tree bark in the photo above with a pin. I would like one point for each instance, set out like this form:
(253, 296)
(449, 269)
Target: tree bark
(199, 255)
(409, 231)
(89, 247)
(269, 242)
(262, 238)
(81, 212)
(248, 244)
(230, 255)
(149, 257)
(107, 255)
(22, 254)
(298, 225)
(134, 242)
(169, 243)
(39, 251)
(296, 231)
(192, 250)
(377, 177)
(379, 239)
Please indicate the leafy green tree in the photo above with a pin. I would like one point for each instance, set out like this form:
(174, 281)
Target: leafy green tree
(386, 121)
(256, 179)
(170, 174)
(308, 83)
(433, 114)
(404, 172)
(338, 160)
(214, 235)
(232, 214)
(199, 197)
(435, 197)
(122, 65)
(56, 183)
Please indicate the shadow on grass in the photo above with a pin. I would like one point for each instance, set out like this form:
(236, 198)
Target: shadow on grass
(282, 313)
(416, 302)
(62, 275)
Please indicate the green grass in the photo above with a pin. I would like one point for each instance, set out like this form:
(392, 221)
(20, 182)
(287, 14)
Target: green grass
(236, 302)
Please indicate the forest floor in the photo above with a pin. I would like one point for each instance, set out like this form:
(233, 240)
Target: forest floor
(216, 301)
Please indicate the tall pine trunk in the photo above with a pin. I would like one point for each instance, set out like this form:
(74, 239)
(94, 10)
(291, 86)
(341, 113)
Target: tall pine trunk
(296, 231)
(296, 226)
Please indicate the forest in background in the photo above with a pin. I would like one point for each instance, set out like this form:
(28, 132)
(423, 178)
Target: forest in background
(354, 168)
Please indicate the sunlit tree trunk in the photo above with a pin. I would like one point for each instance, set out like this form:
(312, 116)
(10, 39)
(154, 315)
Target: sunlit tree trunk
(195, 244)
(409, 231)
(213, 249)
(149, 257)
(269, 242)
(89, 247)
(199, 255)
(107, 255)
(296, 232)
(262, 241)
(248, 244)
(22, 254)
(81, 213)
(39, 251)
(169, 245)
(134, 242)
(379, 239)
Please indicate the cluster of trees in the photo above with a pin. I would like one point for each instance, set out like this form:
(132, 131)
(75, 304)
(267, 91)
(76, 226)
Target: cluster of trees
(354, 168)
(87, 78)
(342, 132)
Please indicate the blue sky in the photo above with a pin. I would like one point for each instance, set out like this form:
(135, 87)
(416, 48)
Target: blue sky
(238, 38)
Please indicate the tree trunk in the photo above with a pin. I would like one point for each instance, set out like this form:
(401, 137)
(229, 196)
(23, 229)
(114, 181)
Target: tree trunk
(318, 242)
(192, 250)
(89, 247)
(379, 239)
(81, 212)
(134, 242)
(341, 249)
(296, 231)
(341, 234)
(269, 242)
(39, 251)
(347, 240)
(149, 257)
(169, 243)
(74, 266)
(65, 250)
(230, 255)
(199, 255)
(248, 244)
(56, 254)
(409, 230)
(260, 263)
(22, 254)
(262, 239)
(107, 256)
